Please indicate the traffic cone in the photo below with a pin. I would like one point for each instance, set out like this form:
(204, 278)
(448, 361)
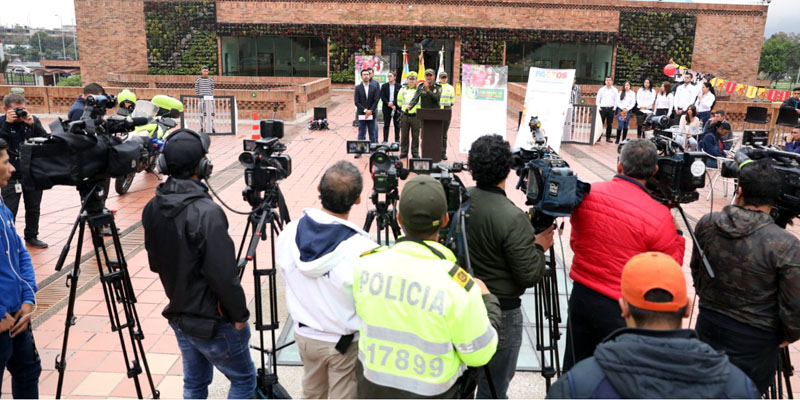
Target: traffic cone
(256, 127)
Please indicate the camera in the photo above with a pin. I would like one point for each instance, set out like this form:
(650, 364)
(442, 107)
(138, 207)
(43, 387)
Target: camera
(21, 113)
(386, 168)
(680, 173)
(659, 124)
(787, 164)
(454, 189)
(551, 187)
(264, 165)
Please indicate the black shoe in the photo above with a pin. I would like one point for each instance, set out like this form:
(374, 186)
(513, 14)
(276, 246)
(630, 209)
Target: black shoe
(358, 155)
(608, 140)
(36, 243)
(444, 156)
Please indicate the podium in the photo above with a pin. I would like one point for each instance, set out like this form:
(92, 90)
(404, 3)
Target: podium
(432, 122)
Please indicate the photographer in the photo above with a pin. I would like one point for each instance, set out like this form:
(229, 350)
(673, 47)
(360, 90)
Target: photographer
(315, 255)
(504, 251)
(616, 221)
(16, 126)
(18, 287)
(653, 358)
(752, 305)
(187, 242)
(76, 110)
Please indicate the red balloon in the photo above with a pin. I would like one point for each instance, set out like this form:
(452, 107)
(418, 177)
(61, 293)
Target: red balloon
(669, 70)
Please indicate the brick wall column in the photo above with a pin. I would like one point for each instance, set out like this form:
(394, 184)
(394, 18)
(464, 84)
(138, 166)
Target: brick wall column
(457, 61)
(378, 46)
(219, 56)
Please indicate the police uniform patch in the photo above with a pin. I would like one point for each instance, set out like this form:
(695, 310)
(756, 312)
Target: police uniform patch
(461, 277)
(373, 251)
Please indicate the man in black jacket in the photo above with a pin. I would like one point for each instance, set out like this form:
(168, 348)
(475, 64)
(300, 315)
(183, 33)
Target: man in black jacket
(187, 242)
(653, 358)
(504, 251)
(366, 99)
(752, 305)
(391, 114)
(16, 126)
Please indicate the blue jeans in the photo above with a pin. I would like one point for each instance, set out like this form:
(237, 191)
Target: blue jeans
(363, 125)
(19, 355)
(229, 351)
(704, 117)
(504, 362)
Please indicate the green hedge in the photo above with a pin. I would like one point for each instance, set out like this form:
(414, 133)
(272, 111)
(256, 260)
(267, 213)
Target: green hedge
(181, 37)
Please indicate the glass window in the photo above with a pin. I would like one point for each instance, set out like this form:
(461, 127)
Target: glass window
(274, 56)
(590, 61)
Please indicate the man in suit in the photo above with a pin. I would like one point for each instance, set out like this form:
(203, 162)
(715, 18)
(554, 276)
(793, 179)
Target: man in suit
(366, 100)
(391, 114)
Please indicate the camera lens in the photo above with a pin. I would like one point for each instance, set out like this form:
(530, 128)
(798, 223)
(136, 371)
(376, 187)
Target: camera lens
(247, 159)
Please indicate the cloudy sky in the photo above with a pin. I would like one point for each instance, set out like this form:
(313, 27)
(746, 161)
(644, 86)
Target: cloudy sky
(783, 14)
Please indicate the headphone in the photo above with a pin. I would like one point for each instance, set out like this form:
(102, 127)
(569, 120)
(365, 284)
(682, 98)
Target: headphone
(204, 166)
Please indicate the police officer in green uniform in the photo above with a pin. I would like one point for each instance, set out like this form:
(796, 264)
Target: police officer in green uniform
(423, 318)
(446, 102)
(429, 93)
(409, 121)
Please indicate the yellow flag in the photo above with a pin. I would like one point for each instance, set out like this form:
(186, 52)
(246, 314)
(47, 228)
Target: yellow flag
(761, 93)
(720, 86)
(740, 89)
(751, 92)
(714, 82)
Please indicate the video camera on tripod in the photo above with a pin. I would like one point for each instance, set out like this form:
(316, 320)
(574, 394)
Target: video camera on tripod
(787, 164)
(386, 168)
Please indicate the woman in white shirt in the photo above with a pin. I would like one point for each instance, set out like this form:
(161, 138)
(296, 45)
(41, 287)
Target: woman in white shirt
(664, 100)
(625, 104)
(705, 101)
(645, 98)
(690, 127)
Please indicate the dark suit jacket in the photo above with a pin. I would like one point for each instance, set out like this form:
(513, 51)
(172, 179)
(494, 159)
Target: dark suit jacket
(385, 93)
(364, 102)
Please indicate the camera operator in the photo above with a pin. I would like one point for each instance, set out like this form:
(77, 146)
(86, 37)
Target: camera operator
(187, 242)
(423, 317)
(315, 255)
(504, 251)
(616, 221)
(653, 358)
(76, 110)
(18, 287)
(752, 305)
(16, 126)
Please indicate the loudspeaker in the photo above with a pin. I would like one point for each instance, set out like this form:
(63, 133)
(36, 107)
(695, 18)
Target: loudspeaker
(755, 137)
(320, 113)
(787, 117)
(272, 128)
(756, 115)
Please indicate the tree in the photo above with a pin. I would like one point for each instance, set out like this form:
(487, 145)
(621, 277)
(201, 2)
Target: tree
(780, 54)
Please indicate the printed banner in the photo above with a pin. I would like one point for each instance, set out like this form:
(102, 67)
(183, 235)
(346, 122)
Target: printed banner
(547, 97)
(484, 102)
(379, 64)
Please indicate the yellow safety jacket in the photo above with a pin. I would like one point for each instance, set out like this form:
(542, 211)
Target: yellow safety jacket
(404, 97)
(423, 320)
(448, 95)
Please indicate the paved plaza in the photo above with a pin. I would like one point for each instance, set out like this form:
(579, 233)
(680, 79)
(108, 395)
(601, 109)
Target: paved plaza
(95, 365)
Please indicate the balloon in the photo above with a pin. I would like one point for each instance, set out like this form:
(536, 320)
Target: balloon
(669, 70)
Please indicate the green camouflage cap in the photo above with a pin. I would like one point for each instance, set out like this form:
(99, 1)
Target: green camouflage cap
(423, 204)
(429, 72)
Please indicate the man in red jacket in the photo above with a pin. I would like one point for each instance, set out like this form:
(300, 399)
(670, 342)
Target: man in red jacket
(616, 221)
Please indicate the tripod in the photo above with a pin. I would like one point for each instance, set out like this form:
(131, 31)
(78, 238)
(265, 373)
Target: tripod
(264, 214)
(117, 288)
(384, 217)
(548, 308)
(786, 369)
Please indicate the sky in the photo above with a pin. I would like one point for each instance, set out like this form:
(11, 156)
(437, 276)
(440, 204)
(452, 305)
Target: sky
(783, 14)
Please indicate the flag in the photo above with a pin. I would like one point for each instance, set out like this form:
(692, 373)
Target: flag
(720, 85)
(730, 87)
(762, 93)
(421, 74)
(441, 64)
(751, 92)
(785, 95)
(405, 68)
(772, 95)
(740, 89)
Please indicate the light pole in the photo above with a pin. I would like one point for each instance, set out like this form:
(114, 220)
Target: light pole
(63, 45)
(74, 39)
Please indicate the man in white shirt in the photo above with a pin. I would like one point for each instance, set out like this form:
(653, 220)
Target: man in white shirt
(315, 255)
(645, 99)
(607, 100)
(685, 96)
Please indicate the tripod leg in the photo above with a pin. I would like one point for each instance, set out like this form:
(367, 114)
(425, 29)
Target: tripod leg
(72, 282)
(368, 222)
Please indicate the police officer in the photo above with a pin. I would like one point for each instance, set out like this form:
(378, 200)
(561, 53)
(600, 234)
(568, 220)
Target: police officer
(446, 102)
(409, 120)
(424, 319)
(428, 93)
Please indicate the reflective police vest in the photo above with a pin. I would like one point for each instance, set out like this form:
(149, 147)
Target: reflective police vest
(448, 95)
(404, 97)
(423, 319)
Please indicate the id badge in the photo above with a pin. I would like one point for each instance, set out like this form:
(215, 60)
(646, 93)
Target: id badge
(18, 188)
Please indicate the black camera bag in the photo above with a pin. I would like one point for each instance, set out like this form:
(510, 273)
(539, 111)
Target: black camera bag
(62, 159)
(124, 157)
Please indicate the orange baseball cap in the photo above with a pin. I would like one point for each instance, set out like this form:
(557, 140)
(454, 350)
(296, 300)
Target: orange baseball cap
(654, 270)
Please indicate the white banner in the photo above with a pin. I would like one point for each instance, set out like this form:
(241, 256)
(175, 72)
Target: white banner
(484, 100)
(547, 97)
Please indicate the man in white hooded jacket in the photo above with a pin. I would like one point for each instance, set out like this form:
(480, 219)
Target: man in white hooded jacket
(315, 255)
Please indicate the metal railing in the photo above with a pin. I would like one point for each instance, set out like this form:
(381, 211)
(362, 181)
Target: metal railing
(20, 78)
(213, 115)
(579, 124)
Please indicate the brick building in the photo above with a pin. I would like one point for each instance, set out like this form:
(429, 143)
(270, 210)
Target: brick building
(629, 40)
